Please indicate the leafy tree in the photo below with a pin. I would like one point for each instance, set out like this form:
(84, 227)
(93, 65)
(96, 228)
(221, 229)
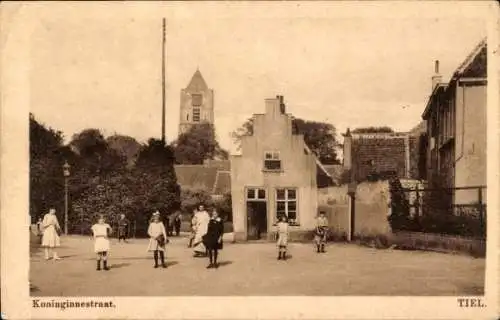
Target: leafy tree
(373, 130)
(125, 146)
(199, 143)
(95, 155)
(320, 137)
(46, 176)
(151, 185)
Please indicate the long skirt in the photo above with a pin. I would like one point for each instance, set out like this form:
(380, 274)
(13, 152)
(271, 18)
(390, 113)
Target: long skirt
(154, 245)
(101, 244)
(50, 238)
(282, 240)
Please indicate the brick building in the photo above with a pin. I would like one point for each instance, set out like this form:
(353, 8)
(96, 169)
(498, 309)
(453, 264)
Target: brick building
(383, 154)
(456, 128)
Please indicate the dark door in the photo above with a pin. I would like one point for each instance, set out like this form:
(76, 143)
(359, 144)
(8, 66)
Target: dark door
(257, 219)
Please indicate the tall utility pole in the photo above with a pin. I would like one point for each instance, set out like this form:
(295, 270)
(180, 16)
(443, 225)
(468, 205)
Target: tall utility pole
(164, 40)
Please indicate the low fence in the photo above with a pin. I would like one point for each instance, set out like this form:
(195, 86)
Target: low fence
(459, 211)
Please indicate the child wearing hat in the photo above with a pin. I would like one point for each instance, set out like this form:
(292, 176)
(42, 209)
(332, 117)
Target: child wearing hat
(282, 235)
(158, 239)
(101, 231)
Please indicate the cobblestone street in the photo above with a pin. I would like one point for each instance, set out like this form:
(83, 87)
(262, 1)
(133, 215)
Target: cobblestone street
(252, 269)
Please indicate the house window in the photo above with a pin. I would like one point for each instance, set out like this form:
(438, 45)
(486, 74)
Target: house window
(286, 204)
(196, 114)
(256, 194)
(272, 161)
(196, 100)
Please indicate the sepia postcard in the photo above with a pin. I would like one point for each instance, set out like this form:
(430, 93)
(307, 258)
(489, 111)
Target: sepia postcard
(250, 160)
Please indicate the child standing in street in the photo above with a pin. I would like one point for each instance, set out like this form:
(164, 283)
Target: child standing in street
(321, 232)
(101, 231)
(158, 239)
(282, 234)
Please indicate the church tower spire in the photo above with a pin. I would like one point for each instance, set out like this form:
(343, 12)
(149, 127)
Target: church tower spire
(197, 103)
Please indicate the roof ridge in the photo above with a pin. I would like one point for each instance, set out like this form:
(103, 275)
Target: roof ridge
(470, 57)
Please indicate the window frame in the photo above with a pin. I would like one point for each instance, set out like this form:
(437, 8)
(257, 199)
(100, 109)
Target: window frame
(199, 97)
(272, 157)
(256, 196)
(196, 114)
(287, 200)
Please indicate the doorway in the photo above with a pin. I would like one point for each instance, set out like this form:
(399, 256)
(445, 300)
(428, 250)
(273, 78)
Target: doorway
(257, 220)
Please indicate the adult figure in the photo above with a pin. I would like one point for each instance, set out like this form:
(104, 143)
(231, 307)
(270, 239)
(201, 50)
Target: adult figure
(51, 230)
(193, 229)
(321, 232)
(123, 227)
(202, 219)
(213, 239)
(177, 223)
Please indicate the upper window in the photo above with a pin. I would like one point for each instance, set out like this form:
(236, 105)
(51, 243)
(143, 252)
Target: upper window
(272, 161)
(286, 204)
(256, 194)
(197, 100)
(196, 114)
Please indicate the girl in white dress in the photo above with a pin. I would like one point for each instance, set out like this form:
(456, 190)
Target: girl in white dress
(101, 231)
(202, 219)
(158, 239)
(50, 238)
(282, 235)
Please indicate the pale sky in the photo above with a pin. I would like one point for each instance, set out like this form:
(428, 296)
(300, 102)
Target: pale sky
(348, 64)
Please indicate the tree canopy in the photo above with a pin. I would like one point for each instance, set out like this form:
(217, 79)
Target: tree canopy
(198, 144)
(320, 137)
(99, 182)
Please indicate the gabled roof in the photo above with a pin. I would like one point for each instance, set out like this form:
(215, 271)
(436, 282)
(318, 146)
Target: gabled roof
(335, 171)
(475, 63)
(473, 66)
(197, 82)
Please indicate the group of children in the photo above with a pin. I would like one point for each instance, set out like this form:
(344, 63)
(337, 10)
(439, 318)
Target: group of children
(211, 237)
(282, 233)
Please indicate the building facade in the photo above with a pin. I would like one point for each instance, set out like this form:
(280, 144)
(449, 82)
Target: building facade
(383, 154)
(197, 103)
(456, 129)
(275, 174)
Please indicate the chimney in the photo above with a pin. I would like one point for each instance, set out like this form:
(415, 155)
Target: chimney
(282, 104)
(436, 78)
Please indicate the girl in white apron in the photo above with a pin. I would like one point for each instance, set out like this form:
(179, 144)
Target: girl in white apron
(101, 231)
(282, 235)
(50, 237)
(158, 239)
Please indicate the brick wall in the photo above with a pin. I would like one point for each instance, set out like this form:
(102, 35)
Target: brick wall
(378, 155)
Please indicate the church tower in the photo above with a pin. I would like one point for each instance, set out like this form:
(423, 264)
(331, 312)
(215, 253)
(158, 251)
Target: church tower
(197, 103)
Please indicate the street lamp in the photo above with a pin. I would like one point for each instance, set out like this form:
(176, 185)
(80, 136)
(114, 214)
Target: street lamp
(66, 174)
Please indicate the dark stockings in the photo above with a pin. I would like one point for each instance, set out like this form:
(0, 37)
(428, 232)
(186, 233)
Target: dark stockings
(104, 257)
(162, 258)
(213, 258)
